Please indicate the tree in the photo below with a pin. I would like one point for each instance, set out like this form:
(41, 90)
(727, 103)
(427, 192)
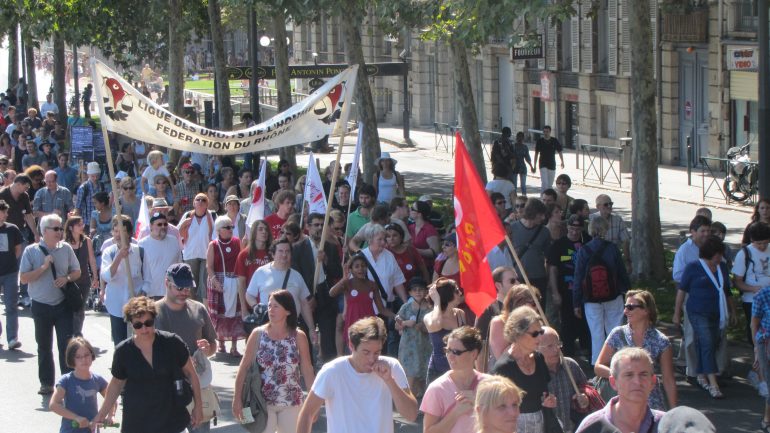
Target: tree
(176, 43)
(647, 243)
(31, 76)
(466, 25)
(224, 109)
(282, 83)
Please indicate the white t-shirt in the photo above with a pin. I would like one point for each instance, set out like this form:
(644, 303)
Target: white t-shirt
(758, 272)
(198, 237)
(387, 270)
(158, 256)
(267, 280)
(504, 187)
(150, 173)
(357, 402)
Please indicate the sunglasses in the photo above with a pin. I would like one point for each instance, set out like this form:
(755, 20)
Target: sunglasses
(128, 188)
(56, 229)
(227, 227)
(3, 162)
(149, 323)
(632, 307)
(608, 204)
(455, 352)
(535, 334)
(182, 289)
(161, 225)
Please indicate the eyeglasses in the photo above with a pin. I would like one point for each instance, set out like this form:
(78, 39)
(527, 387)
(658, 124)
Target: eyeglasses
(608, 204)
(161, 225)
(203, 200)
(181, 289)
(552, 346)
(227, 227)
(455, 352)
(56, 229)
(535, 334)
(632, 307)
(128, 188)
(149, 323)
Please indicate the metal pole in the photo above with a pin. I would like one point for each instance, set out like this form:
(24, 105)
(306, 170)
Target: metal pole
(254, 60)
(689, 160)
(75, 71)
(763, 37)
(406, 100)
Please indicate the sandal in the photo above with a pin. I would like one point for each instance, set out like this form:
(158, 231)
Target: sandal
(703, 383)
(234, 353)
(221, 349)
(715, 392)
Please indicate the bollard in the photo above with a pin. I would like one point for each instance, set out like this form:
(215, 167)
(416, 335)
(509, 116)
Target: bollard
(689, 161)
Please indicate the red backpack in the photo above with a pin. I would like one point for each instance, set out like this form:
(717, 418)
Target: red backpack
(599, 283)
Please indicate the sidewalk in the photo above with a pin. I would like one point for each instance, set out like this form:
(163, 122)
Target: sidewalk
(672, 180)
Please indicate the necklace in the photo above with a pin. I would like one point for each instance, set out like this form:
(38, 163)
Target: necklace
(228, 248)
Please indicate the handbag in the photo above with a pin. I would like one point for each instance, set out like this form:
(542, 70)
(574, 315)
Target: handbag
(252, 398)
(209, 404)
(229, 289)
(595, 402)
(72, 295)
(259, 317)
(602, 385)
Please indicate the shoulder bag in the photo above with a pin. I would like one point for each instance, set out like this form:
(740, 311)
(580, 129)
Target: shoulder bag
(252, 398)
(229, 288)
(72, 294)
(377, 281)
(259, 315)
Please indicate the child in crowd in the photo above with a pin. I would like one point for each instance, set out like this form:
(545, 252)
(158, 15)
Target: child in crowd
(361, 295)
(414, 348)
(156, 167)
(75, 395)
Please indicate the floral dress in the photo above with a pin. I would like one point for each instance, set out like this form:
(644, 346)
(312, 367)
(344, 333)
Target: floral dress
(414, 348)
(655, 343)
(227, 327)
(279, 363)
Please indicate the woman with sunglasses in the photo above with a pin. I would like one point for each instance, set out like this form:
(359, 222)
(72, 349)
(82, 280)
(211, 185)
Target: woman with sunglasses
(526, 367)
(129, 205)
(164, 188)
(447, 263)
(74, 234)
(221, 258)
(151, 405)
(443, 319)
(642, 315)
(448, 401)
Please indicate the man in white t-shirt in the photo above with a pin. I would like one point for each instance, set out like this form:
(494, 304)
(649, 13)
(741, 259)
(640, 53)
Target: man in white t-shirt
(270, 278)
(361, 389)
(751, 267)
(160, 252)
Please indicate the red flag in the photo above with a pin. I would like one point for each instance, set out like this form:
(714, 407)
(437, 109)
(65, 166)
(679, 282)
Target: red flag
(478, 231)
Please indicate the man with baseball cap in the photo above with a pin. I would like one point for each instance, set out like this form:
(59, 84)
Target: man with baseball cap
(187, 318)
(161, 251)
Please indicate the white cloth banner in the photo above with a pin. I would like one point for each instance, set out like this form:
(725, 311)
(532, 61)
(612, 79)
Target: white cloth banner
(353, 175)
(126, 111)
(143, 222)
(315, 197)
(257, 208)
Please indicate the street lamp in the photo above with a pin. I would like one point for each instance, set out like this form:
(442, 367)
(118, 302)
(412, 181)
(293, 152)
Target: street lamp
(404, 56)
(264, 41)
(315, 58)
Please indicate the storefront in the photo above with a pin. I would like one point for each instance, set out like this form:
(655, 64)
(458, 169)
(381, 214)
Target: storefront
(742, 62)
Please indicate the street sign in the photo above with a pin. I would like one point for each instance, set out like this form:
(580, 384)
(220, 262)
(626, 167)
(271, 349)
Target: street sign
(529, 47)
(317, 71)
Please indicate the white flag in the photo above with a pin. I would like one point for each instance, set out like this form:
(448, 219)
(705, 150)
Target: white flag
(143, 221)
(257, 209)
(353, 176)
(314, 190)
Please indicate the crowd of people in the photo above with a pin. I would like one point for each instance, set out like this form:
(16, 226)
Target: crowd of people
(365, 315)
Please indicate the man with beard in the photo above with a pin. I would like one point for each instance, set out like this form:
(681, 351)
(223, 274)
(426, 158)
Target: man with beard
(361, 216)
(185, 317)
(306, 253)
(160, 251)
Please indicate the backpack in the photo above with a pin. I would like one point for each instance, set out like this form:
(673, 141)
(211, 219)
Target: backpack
(600, 283)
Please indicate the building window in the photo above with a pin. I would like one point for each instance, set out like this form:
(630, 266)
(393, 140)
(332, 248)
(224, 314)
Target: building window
(566, 46)
(602, 27)
(746, 122)
(608, 119)
(746, 15)
(308, 37)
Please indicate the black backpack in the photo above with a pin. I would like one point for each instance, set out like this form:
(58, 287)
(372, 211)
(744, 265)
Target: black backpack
(600, 283)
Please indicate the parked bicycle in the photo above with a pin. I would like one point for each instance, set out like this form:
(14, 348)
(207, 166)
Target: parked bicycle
(741, 181)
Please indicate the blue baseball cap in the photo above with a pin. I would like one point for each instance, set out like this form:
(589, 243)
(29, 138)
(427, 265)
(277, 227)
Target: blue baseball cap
(181, 275)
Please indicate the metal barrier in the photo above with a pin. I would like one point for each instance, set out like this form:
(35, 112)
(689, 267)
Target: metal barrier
(710, 167)
(488, 138)
(442, 136)
(602, 161)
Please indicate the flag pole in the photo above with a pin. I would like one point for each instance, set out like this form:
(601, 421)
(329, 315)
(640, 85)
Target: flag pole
(344, 116)
(111, 169)
(539, 307)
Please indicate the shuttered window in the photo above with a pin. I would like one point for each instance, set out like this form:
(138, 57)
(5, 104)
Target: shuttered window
(612, 37)
(744, 85)
(625, 35)
(587, 36)
(575, 37)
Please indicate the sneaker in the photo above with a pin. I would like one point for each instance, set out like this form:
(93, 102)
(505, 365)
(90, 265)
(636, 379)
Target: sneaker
(762, 388)
(26, 302)
(14, 344)
(45, 390)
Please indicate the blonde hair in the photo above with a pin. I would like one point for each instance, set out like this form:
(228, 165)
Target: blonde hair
(492, 392)
(154, 156)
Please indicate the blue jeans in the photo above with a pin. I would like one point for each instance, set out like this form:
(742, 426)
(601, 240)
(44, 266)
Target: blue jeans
(118, 328)
(10, 286)
(523, 178)
(705, 328)
(48, 318)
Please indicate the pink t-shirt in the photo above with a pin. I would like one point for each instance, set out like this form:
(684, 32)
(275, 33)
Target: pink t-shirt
(439, 399)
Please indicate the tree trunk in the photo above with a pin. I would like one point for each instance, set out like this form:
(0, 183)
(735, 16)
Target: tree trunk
(224, 109)
(470, 122)
(13, 58)
(59, 71)
(32, 101)
(282, 83)
(646, 242)
(175, 64)
(370, 146)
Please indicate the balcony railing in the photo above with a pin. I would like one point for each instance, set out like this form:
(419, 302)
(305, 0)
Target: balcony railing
(689, 27)
(746, 16)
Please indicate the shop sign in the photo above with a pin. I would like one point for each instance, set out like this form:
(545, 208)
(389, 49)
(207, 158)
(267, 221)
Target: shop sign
(529, 47)
(742, 59)
(545, 85)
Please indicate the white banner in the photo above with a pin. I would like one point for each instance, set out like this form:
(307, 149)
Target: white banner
(125, 110)
(257, 208)
(353, 175)
(315, 197)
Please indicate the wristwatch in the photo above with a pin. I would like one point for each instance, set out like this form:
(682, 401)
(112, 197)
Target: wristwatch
(68, 278)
